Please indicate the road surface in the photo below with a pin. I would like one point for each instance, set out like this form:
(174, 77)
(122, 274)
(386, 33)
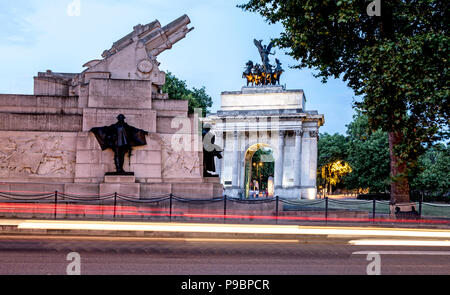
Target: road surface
(42, 255)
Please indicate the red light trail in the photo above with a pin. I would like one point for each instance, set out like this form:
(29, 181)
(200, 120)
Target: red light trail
(130, 211)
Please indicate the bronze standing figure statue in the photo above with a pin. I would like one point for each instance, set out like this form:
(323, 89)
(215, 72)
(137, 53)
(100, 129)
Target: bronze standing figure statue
(264, 52)
(210, 151)
(121, 138)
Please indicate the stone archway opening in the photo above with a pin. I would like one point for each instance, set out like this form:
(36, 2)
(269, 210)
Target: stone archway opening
(259, 171)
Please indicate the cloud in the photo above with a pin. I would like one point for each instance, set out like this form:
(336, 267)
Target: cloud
(16, 29)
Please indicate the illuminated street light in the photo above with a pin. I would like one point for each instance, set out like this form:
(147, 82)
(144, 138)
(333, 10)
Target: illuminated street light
(258, 173)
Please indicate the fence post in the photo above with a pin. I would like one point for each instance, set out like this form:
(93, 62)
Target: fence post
(224, 208)
(115, 203)
(276, 209)
(373, 210)
(420, 208)
(326, 209)
(170, 206)
(56, 204)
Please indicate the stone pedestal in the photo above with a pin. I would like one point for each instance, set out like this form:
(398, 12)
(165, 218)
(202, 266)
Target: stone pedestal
(120, 178)
(211, 179)
(122, 184)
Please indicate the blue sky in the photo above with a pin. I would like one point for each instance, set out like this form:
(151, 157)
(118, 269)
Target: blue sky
(37, 35)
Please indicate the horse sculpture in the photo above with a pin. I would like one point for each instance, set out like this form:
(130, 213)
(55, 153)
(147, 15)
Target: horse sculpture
(257, 74)
(248, 72)
(277, 73)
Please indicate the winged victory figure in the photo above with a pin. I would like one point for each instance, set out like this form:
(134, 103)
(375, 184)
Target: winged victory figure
(264, 51)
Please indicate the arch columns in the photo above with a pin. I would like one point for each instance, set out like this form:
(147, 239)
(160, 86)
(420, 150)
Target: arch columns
(236, 162)
(279, 163)
(298, 158)
(309, 165)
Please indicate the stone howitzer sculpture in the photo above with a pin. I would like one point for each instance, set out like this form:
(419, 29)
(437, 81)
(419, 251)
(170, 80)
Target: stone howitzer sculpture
(264, 74)
(134, 56)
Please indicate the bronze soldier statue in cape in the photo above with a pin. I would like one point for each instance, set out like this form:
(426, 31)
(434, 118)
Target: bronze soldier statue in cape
(121, 138)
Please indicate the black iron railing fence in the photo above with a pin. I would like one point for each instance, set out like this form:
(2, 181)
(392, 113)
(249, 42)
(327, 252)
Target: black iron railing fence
(57, 204)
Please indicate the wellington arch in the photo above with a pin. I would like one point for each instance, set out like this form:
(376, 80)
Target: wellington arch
(267, 116)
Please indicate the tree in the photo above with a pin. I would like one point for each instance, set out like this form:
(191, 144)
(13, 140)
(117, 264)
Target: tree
(396, 63)
(331, 148)
(435, 176)
(177, 89)
(366, 152)
(368, 155)
(333, 173)
(332, 154)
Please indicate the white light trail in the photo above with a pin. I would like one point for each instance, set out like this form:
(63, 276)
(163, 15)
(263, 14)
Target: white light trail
(373, 242)
(421, 253)
(237, 228)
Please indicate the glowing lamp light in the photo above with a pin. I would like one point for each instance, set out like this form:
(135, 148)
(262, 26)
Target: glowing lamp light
(270, 187)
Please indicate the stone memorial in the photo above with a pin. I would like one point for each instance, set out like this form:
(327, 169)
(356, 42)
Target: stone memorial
(45, 139)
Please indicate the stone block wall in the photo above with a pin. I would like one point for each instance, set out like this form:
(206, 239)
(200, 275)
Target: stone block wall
(39, 113)
(139, 118)
(43, 102)
(46, 143)
(50, 86)
(170, 107)
(123, 94)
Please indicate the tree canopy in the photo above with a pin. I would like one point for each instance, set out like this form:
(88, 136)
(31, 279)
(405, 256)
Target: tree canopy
(177, 89)
(368, 155)
(396, 63)
(331, 148)
(366, 152)
(434, 179)
(332, 153)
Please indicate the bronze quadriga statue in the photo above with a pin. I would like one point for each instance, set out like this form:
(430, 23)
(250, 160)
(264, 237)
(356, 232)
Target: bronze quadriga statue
(264, 74)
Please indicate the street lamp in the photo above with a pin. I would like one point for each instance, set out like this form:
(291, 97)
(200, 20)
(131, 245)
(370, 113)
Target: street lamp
(260, 181)
(254, 165)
